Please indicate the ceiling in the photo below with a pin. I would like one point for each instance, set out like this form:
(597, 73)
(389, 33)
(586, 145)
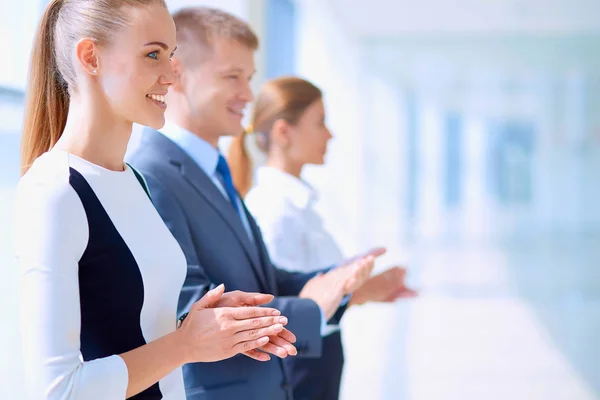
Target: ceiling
(385, 18)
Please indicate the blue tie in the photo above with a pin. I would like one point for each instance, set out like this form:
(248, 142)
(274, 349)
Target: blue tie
(223, 170)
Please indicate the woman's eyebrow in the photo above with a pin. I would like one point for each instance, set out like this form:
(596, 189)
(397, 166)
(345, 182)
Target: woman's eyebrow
(161, 44)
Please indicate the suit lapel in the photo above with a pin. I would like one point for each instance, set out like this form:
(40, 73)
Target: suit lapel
(263, 254)
(205, 187)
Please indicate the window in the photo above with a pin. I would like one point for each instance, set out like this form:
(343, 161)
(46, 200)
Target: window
(280, 38)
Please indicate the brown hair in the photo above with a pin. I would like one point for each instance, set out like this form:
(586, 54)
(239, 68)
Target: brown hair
(199, 27)
(284, 98)
(52, 75)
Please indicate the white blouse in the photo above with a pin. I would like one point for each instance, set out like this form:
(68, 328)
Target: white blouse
(283, 207)
(101, 275)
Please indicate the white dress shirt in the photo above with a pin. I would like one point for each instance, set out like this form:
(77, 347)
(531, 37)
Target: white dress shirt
(293, 231)
(283, 207)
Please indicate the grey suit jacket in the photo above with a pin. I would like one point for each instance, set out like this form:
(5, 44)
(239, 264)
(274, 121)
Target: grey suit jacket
(218, 250)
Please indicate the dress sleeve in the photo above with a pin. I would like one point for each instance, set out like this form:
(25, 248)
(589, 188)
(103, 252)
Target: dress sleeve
(51, 234)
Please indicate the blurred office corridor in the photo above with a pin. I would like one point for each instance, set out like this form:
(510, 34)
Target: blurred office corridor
(503, 320)
(467, 141)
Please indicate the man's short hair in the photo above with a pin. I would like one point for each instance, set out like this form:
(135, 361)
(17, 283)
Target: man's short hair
(198, 28)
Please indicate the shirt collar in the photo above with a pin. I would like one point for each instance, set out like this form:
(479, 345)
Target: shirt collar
(202, 152)
(297, 191)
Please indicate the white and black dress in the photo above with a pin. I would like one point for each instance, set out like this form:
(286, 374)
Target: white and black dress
(101, 275)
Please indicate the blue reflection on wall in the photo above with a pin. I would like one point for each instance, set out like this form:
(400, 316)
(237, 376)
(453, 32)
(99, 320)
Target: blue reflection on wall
(510, 151)
(453, 167)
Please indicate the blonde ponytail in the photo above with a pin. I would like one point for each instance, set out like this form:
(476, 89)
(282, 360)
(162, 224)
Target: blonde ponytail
(47, 100)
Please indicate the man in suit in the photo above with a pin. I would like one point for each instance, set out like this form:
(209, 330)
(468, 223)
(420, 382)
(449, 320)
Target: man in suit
(190, 185)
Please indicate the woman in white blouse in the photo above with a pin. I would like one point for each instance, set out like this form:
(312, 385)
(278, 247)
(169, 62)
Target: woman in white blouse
(289, 125)
(101, 272)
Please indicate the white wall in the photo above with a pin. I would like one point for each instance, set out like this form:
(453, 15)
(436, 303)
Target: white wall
(18, 21)
(384, 143)
(364, 113)
(328, 56)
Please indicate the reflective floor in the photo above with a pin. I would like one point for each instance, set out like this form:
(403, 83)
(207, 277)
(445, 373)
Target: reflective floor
(512, 320)
(494, 321)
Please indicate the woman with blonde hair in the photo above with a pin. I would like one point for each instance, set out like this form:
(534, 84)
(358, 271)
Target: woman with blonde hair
(289, 126)
(101, 273)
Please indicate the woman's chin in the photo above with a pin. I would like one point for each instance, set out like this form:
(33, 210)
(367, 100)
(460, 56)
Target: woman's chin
(155, 123)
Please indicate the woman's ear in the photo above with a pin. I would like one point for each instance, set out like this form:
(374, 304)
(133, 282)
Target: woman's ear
(87, 56)
(280, 134)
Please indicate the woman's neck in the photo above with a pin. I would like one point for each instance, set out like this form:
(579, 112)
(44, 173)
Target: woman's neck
(95, 136)
(294, 169)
